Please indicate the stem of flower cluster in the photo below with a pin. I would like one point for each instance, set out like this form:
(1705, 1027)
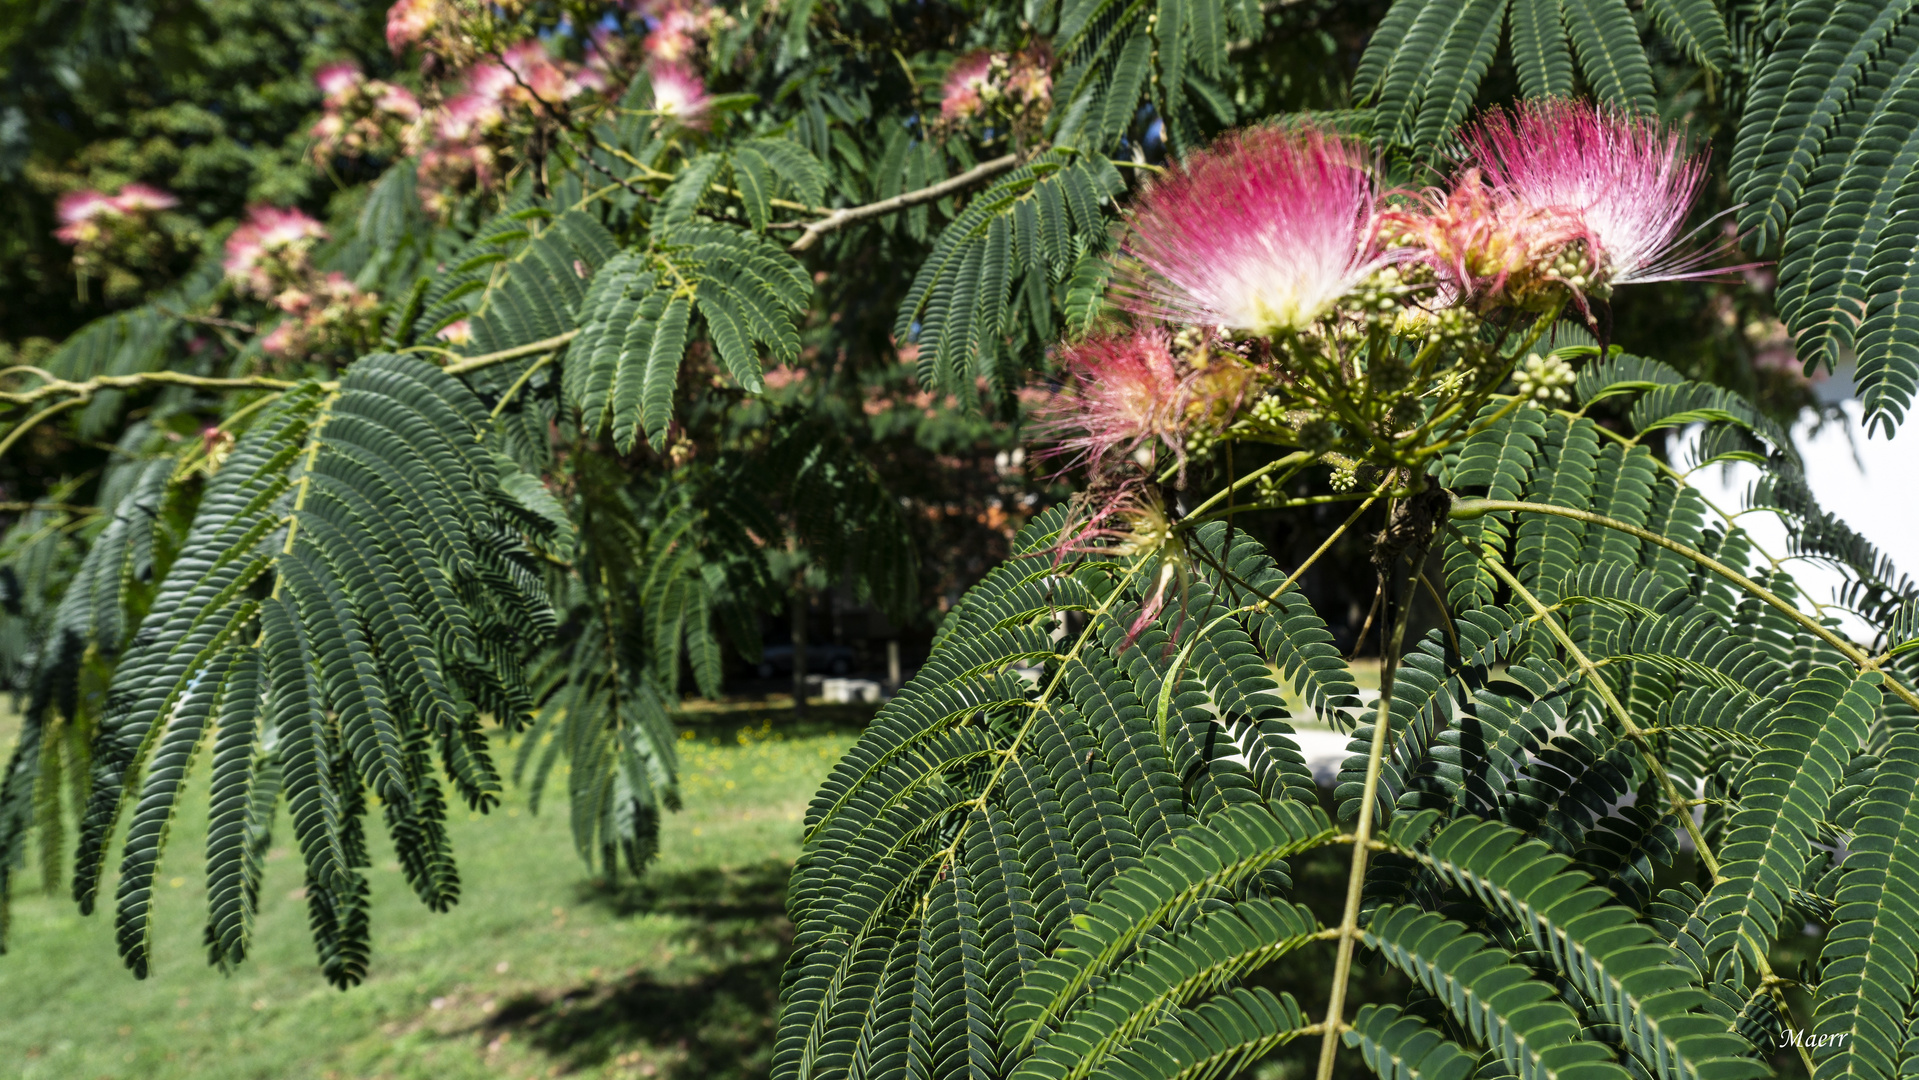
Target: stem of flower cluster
(1363, 831)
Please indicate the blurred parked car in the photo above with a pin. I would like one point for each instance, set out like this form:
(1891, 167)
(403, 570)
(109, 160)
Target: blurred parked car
(820, 660)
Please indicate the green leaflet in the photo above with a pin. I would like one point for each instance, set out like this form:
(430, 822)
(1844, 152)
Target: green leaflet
(1206, 956)
(1868, 962)
(1495, 999)
(1031, 227)
(1618, 964)
(638, 317)
(1401, 1047)
(1786, 795)
(1818, 165)
(1423, 67)
(379, 520)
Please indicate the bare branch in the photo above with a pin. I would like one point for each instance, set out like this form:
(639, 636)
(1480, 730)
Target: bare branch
(20, 430)
(207, 320)
(474, 363)
(147, 378)
(839, 219)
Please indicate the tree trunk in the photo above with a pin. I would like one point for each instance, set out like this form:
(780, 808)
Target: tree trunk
(798, 604)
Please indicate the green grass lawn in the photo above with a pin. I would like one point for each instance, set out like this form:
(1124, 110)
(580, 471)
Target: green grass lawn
(541, 970)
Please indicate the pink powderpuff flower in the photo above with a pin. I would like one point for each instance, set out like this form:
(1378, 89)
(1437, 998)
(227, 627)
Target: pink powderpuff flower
(466, 116)
(491, 83)
(537, 75)
(1142, 388)
(1128, 392)
(407, 22)
(84, 205)
(1129, 520)
(671, 38)
(396, 101)
(78, 211)
(678, 94)
(1625, 180)
(142, 199)
(338, 80)
(266, 247)
(1030, 78)
(456, 333)
(969, 82)
(1482, 250)
(283, 339)
(1262, 232)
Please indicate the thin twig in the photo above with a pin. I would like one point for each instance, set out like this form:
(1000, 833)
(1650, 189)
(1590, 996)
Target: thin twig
(474, 363)
(33, 421)
(53, 507)
(148, 378)
(521, 382)
(207, 320)
(845, 216)
(1363, 829)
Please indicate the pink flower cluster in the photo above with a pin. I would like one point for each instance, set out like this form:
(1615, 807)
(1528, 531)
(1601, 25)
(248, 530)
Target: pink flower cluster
(1561, 197)
(361, 116)
(119, 238)
(1263, 233)
(88, 217)
(408, 22)
(329, 318)
(1267, 231)
(1141, 388)
(454, 141)
(1282, 236)
(268, 252)
(982, 81)
(678, 94)
(674, 28)
(269, 258)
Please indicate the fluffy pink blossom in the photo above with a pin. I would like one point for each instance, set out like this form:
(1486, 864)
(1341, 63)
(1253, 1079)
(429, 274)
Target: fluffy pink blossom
(328, 317)
(1140, 388)
(678, 93)
(466, 116)
(490, 82)
(537, 74)
(76, 210)
(1127, 391)
(337, 80)
(282, 339)
(141, 199)
(397, 100)
(1262, 232)
(1130, 521)
(967, 81)
(1622, 182)
(1030, 79)
(671, 38)
(407, 22)
(458, 332)
(269, 247)
(362, 115)
(1483, 250)
(84, 215)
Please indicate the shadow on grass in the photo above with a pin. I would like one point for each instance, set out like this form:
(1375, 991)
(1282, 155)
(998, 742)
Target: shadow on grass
(719, 1023)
